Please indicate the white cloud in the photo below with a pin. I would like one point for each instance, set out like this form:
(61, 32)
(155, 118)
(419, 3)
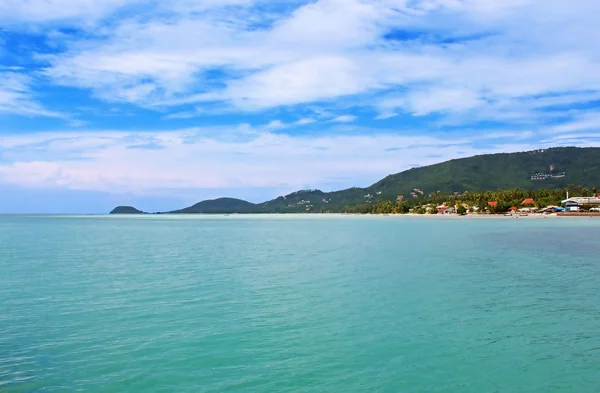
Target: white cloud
(275, 124)
(143, 162)
(330, 49)
(17, 98)
(305, 121)
(344, 119)
(587, 121)
(434, 100)
(468, 60)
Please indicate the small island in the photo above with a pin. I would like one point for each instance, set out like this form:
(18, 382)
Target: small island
(126, 210)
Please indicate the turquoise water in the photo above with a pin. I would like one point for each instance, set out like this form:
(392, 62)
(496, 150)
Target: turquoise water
(299, 304)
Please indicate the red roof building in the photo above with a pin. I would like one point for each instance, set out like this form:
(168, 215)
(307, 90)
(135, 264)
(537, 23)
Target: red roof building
(528, 201)
(493, 203)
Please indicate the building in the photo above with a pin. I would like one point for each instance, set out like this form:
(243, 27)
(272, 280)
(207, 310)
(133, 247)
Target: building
(551, 209)
(578, 203)
(445, 209)
(528, 201)
(546, 176)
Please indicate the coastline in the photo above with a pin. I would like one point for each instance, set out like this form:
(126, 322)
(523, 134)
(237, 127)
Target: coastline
(468, 217)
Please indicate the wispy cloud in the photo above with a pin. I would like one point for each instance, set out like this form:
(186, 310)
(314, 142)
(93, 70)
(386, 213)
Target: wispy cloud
(275, 124)
(305, 121)
(16, 13)
(16, 97)
(344, 119)
(86, 13)
(581, 122)
(143, 162)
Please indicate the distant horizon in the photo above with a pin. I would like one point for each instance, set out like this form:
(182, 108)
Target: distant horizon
(104, 200)
(175, 204)
(161, 105)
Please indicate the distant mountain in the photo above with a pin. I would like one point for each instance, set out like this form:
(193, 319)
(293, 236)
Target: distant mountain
(220, 205)
(544, 168)
(126, 210)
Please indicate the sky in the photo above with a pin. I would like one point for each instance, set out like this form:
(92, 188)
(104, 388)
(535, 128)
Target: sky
(162, 104)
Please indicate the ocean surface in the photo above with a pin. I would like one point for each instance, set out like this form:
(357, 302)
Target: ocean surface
(299, 304)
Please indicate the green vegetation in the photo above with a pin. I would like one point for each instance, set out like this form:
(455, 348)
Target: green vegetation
(544, 175)
(126, 210)
(220, 205)
(477, 201)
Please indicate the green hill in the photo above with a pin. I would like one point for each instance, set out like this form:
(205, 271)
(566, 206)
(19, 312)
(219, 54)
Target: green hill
(126, 210)
(547, 168)
(220, 205)
(555, 168)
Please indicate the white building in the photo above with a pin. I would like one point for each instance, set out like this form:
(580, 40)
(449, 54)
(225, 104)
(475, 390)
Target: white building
(577, 203)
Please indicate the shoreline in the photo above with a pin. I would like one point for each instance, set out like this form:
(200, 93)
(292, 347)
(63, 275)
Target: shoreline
(467, 217)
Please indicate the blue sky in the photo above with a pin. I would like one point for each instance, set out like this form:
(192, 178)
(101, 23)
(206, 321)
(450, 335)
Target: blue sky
(162, 104)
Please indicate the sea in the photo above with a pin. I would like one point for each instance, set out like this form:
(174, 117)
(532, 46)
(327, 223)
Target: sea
(299, 303)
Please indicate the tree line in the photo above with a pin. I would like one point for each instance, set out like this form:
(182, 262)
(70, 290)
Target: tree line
(504, 199)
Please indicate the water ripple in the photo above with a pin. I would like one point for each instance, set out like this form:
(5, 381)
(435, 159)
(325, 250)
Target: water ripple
(298, 305)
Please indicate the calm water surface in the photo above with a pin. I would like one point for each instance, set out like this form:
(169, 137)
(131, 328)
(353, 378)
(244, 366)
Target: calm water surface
(299, 304)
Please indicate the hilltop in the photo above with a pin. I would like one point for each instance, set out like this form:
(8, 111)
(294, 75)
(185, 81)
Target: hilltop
(533, 170)
(126, 210)
(220, 205)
